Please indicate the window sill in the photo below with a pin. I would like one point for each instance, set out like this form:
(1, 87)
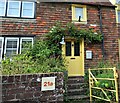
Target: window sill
(81, 22)
(17, 19)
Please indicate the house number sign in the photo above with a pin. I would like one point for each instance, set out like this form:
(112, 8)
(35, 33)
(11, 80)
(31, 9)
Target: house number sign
(48, 83)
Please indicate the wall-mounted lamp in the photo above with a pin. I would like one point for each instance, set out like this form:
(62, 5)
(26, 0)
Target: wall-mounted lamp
(63, 41)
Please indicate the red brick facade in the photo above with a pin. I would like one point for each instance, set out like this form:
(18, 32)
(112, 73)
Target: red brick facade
(48, 13)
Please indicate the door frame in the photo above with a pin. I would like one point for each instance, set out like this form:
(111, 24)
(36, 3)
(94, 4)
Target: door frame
(82, 53)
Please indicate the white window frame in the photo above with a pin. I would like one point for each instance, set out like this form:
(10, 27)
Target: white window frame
(4, 8)
(18, 15)
(21, 42)
(33, 10)
(8, 38)
(2, 38)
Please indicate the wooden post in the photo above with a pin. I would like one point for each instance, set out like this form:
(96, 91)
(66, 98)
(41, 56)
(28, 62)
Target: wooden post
(116, 85)
(90, 87)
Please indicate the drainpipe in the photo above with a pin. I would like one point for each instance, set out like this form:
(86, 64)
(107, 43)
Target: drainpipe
(101, 30)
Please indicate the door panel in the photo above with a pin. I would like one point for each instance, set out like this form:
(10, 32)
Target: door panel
(72, 51)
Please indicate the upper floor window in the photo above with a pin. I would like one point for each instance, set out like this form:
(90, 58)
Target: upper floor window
(13, 9)
(28, 9)
(79, 13)
(21, 9)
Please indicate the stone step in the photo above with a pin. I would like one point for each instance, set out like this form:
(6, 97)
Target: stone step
(77, 92)
(77, 85)
(72, 80)
(78, 97)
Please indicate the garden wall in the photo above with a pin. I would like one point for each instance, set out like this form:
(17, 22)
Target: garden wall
(27, 87)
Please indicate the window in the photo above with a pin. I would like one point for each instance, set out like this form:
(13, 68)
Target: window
(11, 46)
(79, 13)
(17, 8)
(13, 9)
(68, 48)
(76, 48)
(2, 7)
(28, 9)
(25, 43)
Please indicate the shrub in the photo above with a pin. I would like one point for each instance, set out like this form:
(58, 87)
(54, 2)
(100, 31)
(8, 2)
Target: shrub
(33, 60)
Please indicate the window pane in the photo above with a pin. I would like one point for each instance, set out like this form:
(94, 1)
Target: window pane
(28, 9)
(13, 11)
(2, 8)
(76, 49)
(11, 47)
(11, 44)
(26, 43)
(27, 13)
(2, 12)
(10, 53)
(13, 8)
(78, 12)
(68, 48)
(14, 5)
(118, 16)
(27, 5)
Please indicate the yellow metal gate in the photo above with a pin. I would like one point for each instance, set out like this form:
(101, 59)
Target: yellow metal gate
(103, 84)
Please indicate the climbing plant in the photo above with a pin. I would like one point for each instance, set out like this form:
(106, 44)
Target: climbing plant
(70, 30)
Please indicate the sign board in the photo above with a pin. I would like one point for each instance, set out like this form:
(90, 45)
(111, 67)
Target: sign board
(48, 83)
(88, 54)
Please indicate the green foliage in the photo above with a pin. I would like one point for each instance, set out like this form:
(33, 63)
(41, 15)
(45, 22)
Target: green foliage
(33, 60)
(118, 65)
(54, 37)
(105, 84)
(88, 34)
(104, 64)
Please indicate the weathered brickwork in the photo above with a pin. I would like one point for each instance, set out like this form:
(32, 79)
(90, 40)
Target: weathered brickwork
(48, 13)
(26, 87)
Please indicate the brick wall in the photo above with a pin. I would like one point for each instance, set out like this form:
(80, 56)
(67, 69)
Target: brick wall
(48, 13)
(26, 87)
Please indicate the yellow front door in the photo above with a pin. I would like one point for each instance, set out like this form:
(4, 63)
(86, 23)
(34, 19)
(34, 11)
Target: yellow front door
(73, 52)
